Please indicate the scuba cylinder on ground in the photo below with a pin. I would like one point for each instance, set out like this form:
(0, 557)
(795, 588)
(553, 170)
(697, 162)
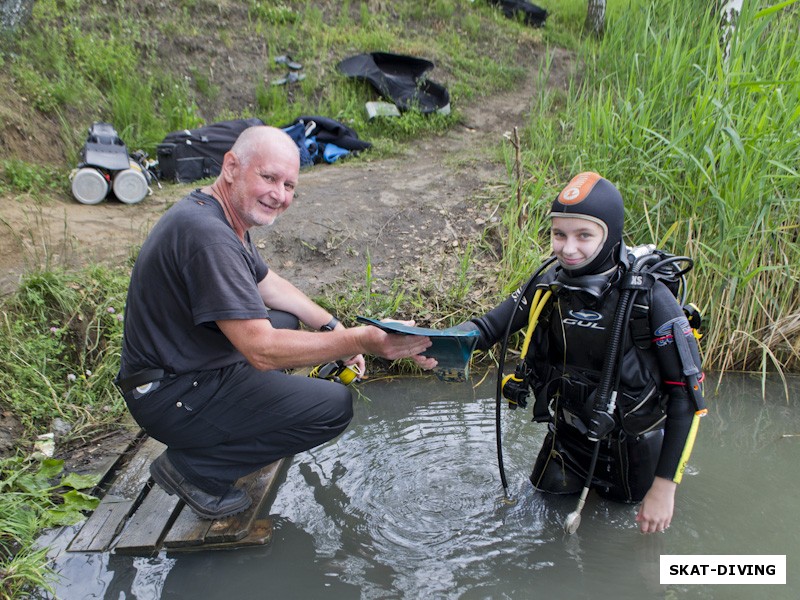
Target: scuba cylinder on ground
(130, 185)
(90, 185)
(105, 165)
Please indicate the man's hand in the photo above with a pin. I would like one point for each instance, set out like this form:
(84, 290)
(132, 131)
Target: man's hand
(267, 348)
(360, 364)
(655, 513)
(394, 346)
(424, 362)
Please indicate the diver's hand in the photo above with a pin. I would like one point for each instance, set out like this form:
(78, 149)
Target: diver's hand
(425, 362)
(655, 513)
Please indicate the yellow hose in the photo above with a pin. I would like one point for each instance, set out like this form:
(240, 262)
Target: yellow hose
(537, 305)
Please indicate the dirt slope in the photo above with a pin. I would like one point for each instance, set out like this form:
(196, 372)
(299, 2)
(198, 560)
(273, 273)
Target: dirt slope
(410, 216)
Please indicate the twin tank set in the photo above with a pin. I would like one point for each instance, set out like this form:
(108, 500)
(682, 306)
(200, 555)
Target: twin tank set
(106, 167)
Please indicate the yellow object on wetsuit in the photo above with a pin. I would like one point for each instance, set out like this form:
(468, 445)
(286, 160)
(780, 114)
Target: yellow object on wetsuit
(687, 448)
(537, 305)
(517, 393)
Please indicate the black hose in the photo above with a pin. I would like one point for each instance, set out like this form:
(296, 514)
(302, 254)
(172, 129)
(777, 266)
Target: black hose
(501, 366)
(604, 387)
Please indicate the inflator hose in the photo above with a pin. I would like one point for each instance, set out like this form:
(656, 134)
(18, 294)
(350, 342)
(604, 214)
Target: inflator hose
(607, 380)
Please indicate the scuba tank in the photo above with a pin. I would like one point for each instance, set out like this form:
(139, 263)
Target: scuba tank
(106, 166)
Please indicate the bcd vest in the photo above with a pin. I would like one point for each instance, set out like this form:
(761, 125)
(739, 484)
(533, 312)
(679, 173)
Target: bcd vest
(569, 348)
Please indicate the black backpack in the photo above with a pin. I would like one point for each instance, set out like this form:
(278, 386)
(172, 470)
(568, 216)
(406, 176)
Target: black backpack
(192, 154)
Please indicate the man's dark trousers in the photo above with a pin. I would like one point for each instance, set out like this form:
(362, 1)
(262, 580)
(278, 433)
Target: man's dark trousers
(223, 424)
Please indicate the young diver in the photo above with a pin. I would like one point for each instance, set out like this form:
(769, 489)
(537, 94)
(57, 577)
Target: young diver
(610, 356)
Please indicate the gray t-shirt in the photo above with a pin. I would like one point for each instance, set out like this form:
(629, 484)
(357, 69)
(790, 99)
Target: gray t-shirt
(192, 270)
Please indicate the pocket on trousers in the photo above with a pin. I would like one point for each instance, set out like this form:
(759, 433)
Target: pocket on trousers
(175, 413)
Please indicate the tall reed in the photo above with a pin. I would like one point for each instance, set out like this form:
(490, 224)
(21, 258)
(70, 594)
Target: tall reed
(705, 148)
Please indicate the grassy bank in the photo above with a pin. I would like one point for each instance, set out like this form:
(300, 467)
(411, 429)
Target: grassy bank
(60, 338)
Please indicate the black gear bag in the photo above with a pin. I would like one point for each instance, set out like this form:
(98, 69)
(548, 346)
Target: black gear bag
(192, 154)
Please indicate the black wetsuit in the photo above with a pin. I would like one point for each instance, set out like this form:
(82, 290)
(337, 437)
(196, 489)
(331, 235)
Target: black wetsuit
(654, 411)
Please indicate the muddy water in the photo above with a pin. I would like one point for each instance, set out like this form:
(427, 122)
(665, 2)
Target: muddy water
(408, 504)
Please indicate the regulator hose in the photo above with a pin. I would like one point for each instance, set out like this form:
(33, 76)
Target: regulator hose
(501, 366)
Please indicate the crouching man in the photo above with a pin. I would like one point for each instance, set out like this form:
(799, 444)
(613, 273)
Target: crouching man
(210, 329)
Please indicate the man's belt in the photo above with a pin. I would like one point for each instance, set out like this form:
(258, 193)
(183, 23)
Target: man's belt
(142, 377)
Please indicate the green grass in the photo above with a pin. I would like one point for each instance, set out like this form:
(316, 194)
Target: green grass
(23, 177)
(35, 493)
(705, 150)
(60, 336)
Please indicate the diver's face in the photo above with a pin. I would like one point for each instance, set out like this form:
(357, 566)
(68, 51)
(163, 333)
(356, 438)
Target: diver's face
(576, 241)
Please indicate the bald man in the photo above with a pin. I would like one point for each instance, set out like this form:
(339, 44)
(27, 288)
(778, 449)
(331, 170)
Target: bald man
(210, 329)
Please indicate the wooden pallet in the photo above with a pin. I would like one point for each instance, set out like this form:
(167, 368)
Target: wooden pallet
(136, 516)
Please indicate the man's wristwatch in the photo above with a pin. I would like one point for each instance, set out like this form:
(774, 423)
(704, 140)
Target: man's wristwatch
(330, 325)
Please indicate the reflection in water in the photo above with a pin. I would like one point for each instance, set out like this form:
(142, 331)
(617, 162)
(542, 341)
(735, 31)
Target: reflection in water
(407, 504)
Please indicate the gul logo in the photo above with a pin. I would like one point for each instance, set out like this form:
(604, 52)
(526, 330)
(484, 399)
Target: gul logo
(584, 318)
(577, 189)
(523, 303)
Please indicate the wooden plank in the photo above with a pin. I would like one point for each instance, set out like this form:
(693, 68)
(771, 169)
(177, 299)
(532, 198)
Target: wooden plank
(189, 530)
(106, 466)
(260, 533)
(137, 472)
(137, 517)
(103, 459)
(145, 529)
(258, 485)
(102, 526)
(108, 519)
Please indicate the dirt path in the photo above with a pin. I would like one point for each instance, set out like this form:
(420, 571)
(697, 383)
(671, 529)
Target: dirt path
(410, 216)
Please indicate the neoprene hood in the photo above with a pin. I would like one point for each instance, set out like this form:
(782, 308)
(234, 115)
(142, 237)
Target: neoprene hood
(590, 196)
